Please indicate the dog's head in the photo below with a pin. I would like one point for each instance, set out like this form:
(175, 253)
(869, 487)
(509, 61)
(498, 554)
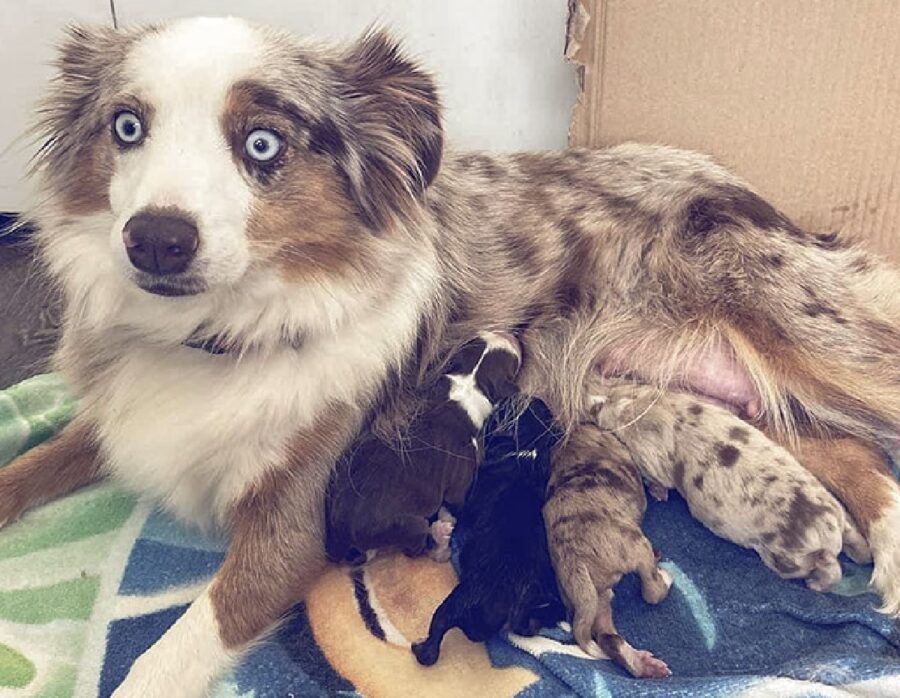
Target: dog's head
(202, 149)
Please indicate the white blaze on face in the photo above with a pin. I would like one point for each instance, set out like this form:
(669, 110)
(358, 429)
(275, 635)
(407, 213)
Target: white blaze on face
(464, 388)
(184, 73)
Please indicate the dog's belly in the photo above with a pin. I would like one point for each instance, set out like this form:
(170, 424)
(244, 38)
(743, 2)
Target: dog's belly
(714, 374)
(194, 431)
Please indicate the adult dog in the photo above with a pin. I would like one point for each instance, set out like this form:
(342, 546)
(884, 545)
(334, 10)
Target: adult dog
(263, 246)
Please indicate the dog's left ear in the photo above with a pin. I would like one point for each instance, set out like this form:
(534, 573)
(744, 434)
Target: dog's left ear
(395, 137)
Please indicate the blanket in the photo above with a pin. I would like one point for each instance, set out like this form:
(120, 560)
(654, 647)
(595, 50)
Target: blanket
(90, 581)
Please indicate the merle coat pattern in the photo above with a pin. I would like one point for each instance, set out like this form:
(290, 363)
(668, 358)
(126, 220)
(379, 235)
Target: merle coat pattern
(737, 482)
(341, 252)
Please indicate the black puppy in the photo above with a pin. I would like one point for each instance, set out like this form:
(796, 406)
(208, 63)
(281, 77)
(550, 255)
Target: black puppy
(380, 497)
(506, 576)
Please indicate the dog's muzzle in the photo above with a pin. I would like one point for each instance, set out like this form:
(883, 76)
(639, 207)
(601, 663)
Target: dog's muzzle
(161, 246)
(160, 243)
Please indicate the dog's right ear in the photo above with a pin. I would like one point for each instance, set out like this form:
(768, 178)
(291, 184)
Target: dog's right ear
(69, 116)
(393, 120)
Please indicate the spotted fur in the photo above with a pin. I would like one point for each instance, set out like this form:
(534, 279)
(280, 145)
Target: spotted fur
(593, 513)
(343, 273)
(736, 481)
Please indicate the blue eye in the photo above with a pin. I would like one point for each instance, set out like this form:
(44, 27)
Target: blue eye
(128, 128)
(263, 145)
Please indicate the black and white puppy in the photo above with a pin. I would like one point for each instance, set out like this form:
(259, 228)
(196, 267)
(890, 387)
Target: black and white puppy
(384, 497)
(506, 576)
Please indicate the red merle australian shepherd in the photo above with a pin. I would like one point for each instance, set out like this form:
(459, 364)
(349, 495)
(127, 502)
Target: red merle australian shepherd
(264, 245)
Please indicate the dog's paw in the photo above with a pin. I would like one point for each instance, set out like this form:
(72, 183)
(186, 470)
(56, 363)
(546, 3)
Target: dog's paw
(426, 653)
(658, 492)
(441, 531)
(666, 576)
(884, 542)
(646, 666)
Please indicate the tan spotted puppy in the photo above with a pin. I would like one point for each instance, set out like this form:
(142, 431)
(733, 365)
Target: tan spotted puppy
(740, 484)
(593, 513)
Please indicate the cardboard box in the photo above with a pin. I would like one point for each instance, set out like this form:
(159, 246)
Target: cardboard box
(799, 97)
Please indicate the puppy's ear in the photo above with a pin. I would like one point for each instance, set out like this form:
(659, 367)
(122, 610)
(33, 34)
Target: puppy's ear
(394, 125)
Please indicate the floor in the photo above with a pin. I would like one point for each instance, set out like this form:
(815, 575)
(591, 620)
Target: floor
(29, 311)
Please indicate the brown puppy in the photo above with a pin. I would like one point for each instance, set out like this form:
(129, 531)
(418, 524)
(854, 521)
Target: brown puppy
(382, 497)
(593, 513)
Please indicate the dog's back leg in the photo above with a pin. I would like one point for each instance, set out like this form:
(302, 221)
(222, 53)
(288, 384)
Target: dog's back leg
(813, 320)
(447, 616)
(639, 663)
(580, 593)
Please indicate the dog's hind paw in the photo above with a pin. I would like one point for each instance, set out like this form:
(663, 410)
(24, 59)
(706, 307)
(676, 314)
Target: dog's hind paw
(441, 531)
(884, 541)
(426, 653)
(649, 667)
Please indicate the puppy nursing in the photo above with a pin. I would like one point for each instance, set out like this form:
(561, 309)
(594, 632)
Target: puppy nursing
(382, 497)
(506, 579)
(593, 513)
(740, 484)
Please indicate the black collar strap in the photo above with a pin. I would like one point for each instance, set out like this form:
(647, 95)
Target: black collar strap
(211, 345)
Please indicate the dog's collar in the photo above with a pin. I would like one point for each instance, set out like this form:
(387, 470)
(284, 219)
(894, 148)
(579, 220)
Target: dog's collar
(215, 345)
(219, 345)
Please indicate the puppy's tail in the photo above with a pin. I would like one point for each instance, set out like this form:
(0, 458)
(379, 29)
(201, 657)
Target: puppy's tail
(581, 596)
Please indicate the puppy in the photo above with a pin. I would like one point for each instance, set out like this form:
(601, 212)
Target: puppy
(505, 579)
(595, 505)
(382, 497)
(740, 484)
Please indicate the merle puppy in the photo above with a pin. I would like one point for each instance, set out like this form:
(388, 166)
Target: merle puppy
(382, 497)
(506, 576)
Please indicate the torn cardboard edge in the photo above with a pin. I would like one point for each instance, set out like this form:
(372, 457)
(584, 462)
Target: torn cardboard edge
(801, 104)
(583, 39)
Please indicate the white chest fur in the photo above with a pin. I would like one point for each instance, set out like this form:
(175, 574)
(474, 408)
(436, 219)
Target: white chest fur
(195, 430)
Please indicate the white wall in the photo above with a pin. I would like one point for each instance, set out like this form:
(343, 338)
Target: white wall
(500, 62)
(27, 33)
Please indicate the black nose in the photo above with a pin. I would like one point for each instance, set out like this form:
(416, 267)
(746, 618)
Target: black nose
(160, 242)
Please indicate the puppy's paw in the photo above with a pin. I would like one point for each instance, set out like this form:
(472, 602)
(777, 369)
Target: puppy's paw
(439, 554)
(649, 667)
(426, 652)
(593, 650)
(440, 531)
(595, 405)
(666, 576)
(658, 492)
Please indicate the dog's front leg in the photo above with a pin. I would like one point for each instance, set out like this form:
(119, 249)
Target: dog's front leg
(277, 550)
(54, 468)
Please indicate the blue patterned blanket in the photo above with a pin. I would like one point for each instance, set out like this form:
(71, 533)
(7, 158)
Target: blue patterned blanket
(87, 583)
